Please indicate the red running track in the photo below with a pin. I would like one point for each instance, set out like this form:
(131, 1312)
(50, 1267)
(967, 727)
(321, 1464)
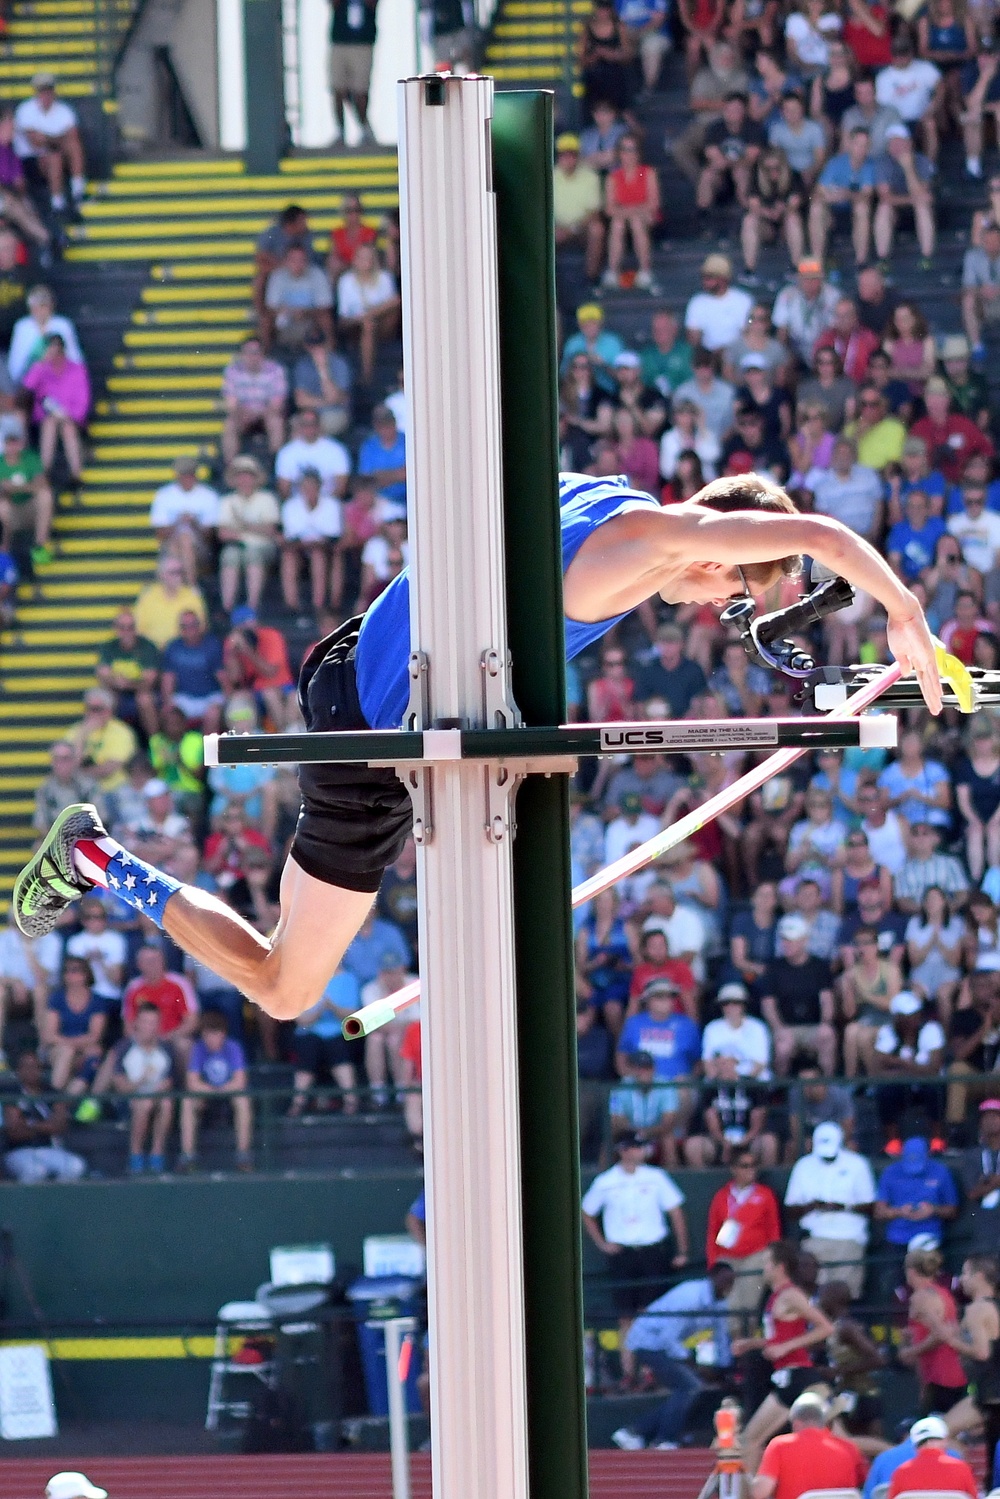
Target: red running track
(613, 1475)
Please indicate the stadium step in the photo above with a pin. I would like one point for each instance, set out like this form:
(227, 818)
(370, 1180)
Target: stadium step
(158, 275)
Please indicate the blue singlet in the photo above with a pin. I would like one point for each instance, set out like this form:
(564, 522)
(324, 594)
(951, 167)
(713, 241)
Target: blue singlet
(383, 649)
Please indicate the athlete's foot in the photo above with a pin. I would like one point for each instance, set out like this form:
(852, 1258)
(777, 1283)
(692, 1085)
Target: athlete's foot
(50, 882)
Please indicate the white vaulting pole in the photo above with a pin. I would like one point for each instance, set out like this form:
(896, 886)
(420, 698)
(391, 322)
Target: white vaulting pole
(458, 624)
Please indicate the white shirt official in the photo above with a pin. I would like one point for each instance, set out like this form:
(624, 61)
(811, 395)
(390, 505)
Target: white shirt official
(846, 1179)
(634, 1204)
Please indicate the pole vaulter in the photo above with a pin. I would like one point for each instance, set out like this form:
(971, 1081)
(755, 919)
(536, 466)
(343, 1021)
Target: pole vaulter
(513, 571)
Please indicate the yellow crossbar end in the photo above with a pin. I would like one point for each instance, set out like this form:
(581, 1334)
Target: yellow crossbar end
(958, 677)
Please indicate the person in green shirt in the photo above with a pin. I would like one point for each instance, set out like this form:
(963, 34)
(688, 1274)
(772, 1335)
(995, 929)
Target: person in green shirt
(25, 496)
(666, 362)
(129, 666)
(970, 391)
(177, 755)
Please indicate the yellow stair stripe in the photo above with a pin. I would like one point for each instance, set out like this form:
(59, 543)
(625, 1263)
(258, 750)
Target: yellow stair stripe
(199, 358)
(328, 203)
(178, 317)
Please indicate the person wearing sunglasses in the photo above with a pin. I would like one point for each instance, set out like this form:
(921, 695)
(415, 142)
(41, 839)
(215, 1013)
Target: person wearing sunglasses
(735, 539)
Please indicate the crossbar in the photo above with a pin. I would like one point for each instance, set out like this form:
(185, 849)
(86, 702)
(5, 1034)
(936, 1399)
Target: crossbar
(650, 737)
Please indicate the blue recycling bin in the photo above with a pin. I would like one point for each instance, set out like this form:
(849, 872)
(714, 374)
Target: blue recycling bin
(378, 1299)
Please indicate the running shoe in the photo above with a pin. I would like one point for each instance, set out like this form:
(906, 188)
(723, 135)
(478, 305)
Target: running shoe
(49, 883)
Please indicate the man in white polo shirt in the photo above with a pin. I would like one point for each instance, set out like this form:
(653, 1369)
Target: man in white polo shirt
(717, 315)
(45, 130)
(832, 1192)
(630, 1212)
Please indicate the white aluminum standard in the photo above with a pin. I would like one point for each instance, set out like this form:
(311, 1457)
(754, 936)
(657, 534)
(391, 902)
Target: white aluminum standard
(458, 626)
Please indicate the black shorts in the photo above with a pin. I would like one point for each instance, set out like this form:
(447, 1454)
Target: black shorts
(788, 1384)
(354, 820)
(640, 1273)
(318, 1054)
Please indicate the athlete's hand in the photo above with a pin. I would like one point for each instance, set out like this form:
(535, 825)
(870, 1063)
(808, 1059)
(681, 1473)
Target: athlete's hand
(913, 647)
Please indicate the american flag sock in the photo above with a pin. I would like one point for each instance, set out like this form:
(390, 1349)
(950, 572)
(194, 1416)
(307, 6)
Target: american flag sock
(104, 862)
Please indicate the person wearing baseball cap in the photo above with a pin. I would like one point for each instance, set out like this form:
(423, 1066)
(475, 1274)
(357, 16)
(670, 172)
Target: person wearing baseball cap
(716, 316)
(803, 309)
(797, 1001)
(831, 1192)
(932, 1468)
(576, 193)
(737, 1044)
(47, 131)
(73, 1486)
(600, 345)
(970, 391)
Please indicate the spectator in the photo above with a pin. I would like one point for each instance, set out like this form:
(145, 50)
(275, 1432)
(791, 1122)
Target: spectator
(383, 1048)
(598, 343)
(771, 83)
(632, 208)
(368, 306)
(980, 1176)
(926, 867)
(666, 359)
(129, 666)
(604, 55)
(645, 405)
(159, 607)
(347, 236)
(980, 286)
(736, 1038)
(177, 756)
(46, 132)
(648, 32)
(723, 74)
(977, 529)
(757, 338)
(322, 380)
(255, 658)
(752, 932)
(932, 1464)
(184, 514)
(977, 794)
(969, 388)
(291, 227)
(716, 315)
(815, 843)
(297, 300)
(27, 341)
(898, 395)
(13, 294)
(689, 436)
(903, 179)
(103, 743)
(809, 31)
(960, 634)
(790, 1463)
(917, 1196)
(917, 787)
(65, 784)
(226, 847)
(102, 948)
(812, 1102)
(775, 196)
(868, 113)
(712, 396)
(15, 202)
(912, 542)
(25, 496)
(849, 491)
(353, 30)
(311, 522)
(308, 448)
(803, 309)
(73, 1032)
(641, 1105)
(320, 1047)
(830, 389)
(734, 1119)
(671, 1037)
(910, 1044)
(843, 196)
(170, 994)
(731, 148)
(832, 1192)
(192, 674)
(576, 190)
(248, 524)
(62, 401)
(604, 946)
(141, 1068)
(690, 1315)
(853, 343)
(934, 949)
(217, 1069)
(254, 392)
(914, 87)
(670, 674)
(383, 557)
(383, 456)
(801, 142)
(879, 436)
(631, 1212)
(797, 1000)
(34, 1131)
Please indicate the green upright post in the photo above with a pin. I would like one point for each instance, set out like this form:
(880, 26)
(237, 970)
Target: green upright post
(264, 81)
(557, 1416)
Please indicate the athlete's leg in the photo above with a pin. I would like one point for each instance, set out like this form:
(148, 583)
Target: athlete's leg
(287, 972)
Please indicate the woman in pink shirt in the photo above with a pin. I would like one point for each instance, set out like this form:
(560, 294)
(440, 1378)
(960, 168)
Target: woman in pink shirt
(62, 400)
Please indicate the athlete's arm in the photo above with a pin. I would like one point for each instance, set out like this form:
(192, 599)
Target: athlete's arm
(797, 1304)
(645, 551)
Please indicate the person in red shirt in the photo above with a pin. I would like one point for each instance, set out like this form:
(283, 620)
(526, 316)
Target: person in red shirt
(346, 239)
(412, 1072)
(743, 1219)
(255, 656)
(225, 847)
(932, 1468)
(171, 993)
(951, 439)
(810, 1458)
(656, 963)
(854, 343)
(868, 34)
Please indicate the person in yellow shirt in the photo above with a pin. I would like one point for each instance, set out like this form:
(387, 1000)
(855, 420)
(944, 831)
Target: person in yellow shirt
(879, 436)
(160, 605)
(105, 744)
(577, 202)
